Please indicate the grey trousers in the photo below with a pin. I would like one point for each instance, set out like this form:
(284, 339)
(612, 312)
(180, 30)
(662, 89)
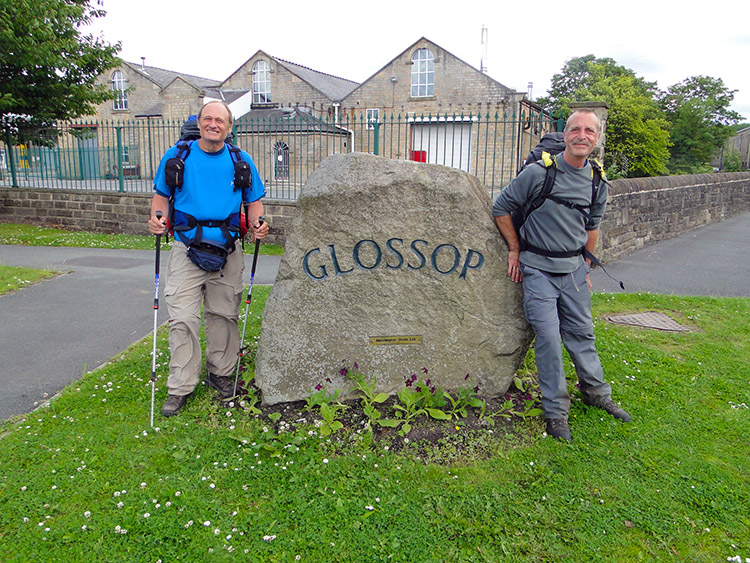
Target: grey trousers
(187, 288)
(559, 307)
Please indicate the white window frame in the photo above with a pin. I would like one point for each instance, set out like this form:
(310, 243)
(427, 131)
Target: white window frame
(422, 74)
(261, 83)
(372, 116)
(119, 85)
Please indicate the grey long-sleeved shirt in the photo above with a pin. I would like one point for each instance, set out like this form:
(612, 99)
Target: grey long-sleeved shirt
(554, 226)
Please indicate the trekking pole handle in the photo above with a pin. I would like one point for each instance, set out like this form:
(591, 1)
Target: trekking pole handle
(156, 264)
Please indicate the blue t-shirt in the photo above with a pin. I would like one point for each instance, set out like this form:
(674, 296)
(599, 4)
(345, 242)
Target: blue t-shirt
(207, 191)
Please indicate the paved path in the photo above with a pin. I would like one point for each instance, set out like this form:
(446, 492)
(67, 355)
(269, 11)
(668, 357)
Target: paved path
(713, 260)
(54, 331)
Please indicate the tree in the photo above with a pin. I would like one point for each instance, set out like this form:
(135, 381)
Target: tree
(700, 121)
(47, 66)
(637, 140)
(732, 162)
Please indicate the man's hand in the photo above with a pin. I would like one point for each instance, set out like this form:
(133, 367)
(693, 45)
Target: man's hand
(514, 266)
(157, 226)
(260, 231)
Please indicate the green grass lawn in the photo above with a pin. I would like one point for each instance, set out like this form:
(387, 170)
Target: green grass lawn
(87, 479)
(13, 278)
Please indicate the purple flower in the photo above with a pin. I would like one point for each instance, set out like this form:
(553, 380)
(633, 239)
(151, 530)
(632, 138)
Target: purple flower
(328, 379)
(343, 372)
(428, 383)
(424, 370)
(476, 389)
(356, 366)
(467, 377)
(318, 387)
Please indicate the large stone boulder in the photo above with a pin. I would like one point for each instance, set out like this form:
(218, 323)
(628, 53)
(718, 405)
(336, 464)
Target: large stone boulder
(397, 266)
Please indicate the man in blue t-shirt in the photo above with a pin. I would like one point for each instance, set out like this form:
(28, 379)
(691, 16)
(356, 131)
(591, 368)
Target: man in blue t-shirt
(556, 286)
(207, 194)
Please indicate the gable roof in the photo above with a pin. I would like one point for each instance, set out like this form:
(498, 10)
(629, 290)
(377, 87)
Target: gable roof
(163, 78)
(422, 40)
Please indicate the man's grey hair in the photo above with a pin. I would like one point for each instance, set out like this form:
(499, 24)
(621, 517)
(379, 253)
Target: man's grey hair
(229, 111)
(584, 110)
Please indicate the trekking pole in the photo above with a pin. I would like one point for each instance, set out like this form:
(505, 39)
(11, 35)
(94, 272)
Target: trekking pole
(241, 351)
(156, 311)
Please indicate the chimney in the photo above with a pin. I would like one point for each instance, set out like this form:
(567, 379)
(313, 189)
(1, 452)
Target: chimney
(483, 62)
(143, 64)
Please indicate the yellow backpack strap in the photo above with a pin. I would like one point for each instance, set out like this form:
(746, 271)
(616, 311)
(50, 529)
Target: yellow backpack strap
(597, 166)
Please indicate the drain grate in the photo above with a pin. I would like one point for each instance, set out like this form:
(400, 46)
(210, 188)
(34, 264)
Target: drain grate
(649, 319)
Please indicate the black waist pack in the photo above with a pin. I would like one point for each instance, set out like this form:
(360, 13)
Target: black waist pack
(207, 256)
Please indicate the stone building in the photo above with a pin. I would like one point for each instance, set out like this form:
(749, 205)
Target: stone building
(423, 79)
(154, 92)
(425, 105)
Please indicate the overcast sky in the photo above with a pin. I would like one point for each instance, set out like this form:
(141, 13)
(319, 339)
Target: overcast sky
(663, 41)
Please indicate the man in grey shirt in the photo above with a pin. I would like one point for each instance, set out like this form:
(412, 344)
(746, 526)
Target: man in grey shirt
(548, 257)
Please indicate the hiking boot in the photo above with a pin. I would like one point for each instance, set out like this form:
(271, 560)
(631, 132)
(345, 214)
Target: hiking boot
(607, 404)
(224, 385)
(174, 404)
(558, 428)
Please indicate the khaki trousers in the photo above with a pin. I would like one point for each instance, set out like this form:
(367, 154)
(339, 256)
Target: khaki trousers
(187, 288)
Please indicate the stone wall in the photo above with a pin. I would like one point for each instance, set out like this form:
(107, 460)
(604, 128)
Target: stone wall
(641, 211)
(108, 212)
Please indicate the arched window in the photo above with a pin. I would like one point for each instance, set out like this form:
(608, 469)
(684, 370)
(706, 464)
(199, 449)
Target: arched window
(261, 83)
(280, 160)
(119, 85)
(422, 74)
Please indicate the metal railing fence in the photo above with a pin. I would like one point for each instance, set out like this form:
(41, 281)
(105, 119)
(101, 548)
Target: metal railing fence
(123, 156)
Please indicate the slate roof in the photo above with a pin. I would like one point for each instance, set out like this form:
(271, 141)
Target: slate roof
(163, 77)
(284, 120)
(335, 88)
(227, 96)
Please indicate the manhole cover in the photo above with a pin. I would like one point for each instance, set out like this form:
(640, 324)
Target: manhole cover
(649, 319)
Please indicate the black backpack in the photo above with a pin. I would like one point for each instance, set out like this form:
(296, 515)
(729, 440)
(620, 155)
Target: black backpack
(552, 143)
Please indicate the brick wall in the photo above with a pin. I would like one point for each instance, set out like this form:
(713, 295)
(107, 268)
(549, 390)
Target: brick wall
(641, 211)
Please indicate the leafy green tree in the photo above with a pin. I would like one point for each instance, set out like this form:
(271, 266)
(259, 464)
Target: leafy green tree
(637, 138)
(48, 66)
(732, 162)
(700, 121)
